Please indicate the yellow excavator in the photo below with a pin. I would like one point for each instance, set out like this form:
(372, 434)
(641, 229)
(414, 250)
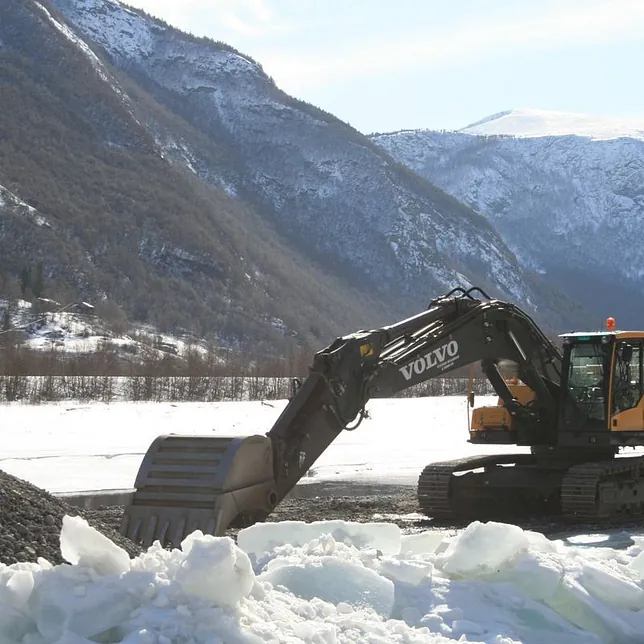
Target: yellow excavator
(576, 411)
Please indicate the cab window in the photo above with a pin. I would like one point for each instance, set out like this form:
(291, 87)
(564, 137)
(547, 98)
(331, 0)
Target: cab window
(627, 377)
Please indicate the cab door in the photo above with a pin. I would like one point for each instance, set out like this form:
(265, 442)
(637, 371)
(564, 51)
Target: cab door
(626, 402)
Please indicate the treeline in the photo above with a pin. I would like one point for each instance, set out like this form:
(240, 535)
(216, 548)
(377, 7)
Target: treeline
(158, 373)
(108, 389)
(146, 357)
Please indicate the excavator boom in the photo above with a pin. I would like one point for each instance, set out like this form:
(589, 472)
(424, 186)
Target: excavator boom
(188, 483)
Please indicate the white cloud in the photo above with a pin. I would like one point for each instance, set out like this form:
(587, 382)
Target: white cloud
(248, 17)
(572, 22)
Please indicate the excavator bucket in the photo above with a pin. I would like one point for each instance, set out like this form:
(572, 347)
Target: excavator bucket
(188, 483)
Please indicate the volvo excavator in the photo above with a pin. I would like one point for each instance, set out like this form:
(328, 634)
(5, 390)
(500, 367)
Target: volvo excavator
(575, 409)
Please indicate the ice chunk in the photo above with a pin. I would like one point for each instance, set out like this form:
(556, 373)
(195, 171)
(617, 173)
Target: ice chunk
(19, 588)
(431, 621)
(421, 543)
(484, 548)
(611, 587)
(335, 581)
(637, 564)
(83, 545)
(409, 572)
(14, 624)
(573, 602)
(537, 574)
(264, 537)
(538, 541)
(492, 583)
(344, 609)
(215, 569)
(312, 631)
(465, 627)
(57, 608)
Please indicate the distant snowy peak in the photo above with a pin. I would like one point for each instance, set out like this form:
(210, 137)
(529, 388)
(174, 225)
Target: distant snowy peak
(527, 123)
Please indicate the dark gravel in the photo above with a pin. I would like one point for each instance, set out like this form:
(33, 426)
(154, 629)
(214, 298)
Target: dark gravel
(31, 519)
(399, 505)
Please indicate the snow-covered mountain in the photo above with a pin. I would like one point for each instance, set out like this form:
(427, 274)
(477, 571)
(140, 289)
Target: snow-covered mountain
(167, 175)
(540, 123)
(565, 191)
(333, 194)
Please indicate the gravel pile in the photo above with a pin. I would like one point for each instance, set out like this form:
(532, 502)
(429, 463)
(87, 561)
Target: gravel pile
(31, 519)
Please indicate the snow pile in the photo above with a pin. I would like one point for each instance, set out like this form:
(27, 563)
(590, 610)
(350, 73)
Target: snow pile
(492, 583)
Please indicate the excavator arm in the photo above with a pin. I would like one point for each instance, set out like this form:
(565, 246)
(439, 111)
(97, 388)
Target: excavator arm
(188, 483)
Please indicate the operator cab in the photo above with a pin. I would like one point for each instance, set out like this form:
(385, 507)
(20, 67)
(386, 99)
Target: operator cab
(602, 387)
(601, 401)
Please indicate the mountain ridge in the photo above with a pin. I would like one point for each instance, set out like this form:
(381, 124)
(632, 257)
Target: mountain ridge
(269, 189)
(568, 206)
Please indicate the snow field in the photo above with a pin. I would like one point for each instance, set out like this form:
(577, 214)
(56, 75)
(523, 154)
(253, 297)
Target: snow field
(70, 447)
(328, 583)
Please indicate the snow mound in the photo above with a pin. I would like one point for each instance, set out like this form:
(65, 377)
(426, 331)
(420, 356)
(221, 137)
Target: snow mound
(534, 123)
(485, 547)
(334, 579)
(491, 583)
(260, 538)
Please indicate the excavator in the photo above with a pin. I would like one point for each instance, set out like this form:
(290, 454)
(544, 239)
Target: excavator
(576, 409)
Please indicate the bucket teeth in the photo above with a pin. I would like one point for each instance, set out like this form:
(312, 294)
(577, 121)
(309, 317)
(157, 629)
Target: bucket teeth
(188, 483)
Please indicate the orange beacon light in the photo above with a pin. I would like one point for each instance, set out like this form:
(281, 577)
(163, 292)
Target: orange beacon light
(610, 324)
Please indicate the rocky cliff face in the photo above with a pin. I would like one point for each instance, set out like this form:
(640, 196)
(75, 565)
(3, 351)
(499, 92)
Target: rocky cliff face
(566, 193)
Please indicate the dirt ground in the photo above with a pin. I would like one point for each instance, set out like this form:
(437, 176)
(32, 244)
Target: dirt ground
(397, 504)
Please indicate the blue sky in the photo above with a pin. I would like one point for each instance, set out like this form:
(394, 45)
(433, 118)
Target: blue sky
(385, 65)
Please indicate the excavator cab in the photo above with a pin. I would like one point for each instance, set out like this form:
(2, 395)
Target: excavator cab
(604, 384)
(601, 401)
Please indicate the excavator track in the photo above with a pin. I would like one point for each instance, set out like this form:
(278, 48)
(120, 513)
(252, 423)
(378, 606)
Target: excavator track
(604, 490)
(440, 498)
